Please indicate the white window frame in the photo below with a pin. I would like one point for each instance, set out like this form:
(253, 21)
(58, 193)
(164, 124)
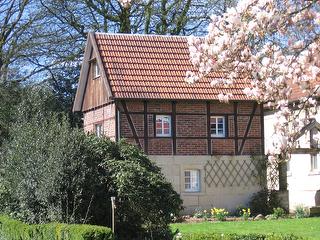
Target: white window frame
(315, 163)
(95, 69)
(224, 126)
(98, 129)
(192, 182)
(162, 117)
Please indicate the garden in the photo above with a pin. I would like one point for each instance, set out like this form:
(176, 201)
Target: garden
(248, 222)
(306, 228)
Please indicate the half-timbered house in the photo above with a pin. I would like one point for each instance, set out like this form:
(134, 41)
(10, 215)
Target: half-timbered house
(133, 87)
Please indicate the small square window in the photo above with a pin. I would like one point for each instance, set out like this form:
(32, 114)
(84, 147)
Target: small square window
(217, 126)
(192, 180)
(95, 69)
(314, 162)
(98, 130)
(163, 126)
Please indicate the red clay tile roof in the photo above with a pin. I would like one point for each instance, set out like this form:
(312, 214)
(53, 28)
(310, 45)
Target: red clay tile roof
(154, 67)
(297, 93)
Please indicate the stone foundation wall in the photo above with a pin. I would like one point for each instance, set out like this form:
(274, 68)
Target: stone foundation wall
(225, 181)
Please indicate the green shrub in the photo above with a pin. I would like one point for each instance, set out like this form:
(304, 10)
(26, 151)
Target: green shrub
(15, 230)
(264, 201)
(301, 211)
(198, 213)
(207, 236)
(278, 212)
(50, 172)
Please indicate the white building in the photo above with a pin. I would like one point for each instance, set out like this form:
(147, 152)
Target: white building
(303, 168)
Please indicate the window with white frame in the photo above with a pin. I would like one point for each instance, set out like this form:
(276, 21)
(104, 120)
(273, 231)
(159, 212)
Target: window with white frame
(163, 126)
(192, 180)
(95, 69)
(98, 130)
(217, 126)
(315, 165)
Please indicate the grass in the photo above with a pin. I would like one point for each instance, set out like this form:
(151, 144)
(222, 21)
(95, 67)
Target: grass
(306, 227)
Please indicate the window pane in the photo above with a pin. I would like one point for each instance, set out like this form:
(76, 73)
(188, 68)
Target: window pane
(163, 125)
(217, 126)
(166, 124)
(314, 162)
(192, 180)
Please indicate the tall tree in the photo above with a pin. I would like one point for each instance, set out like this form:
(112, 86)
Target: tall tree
(69, 21)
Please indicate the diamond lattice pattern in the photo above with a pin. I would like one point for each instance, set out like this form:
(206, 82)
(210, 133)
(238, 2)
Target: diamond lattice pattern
(230, 172)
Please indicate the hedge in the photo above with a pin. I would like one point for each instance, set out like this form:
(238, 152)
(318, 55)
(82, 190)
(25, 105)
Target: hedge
(252, 236)
(16, 230)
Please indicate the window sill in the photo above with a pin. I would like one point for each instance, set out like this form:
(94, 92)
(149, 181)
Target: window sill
(93, 78)
(218, 136)
(199, 193)
(314, 172)
(163, 136)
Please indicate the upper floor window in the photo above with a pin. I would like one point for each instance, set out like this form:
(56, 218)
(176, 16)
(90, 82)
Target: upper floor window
(192, 180)
(163, 126)
(98, 130)
(217, 126)
(95, 69)
(315, 163)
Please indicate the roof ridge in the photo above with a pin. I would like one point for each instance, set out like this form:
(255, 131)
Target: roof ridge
(146, 35)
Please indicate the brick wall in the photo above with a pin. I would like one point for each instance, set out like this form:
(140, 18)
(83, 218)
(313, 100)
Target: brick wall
(191, 127)
(104, 115)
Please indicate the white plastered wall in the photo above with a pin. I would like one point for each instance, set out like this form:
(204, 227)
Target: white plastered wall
(302, 182)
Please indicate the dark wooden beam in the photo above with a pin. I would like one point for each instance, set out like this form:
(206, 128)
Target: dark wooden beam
(262, 128)
(209, 129)
(135, 135)
(248, 127)
(205, 137)
(192, 114)
(145, 131)
(117, 122)
(174, 129)
(235, 119)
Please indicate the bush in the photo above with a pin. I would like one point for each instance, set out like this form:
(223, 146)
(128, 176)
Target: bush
(207, 236)
(264, 201)
(145, 200)
(50, 172)
(16, 230)
(301, 211)
(278, 213)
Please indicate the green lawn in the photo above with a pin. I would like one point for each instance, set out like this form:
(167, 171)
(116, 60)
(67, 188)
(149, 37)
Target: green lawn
(307, 227)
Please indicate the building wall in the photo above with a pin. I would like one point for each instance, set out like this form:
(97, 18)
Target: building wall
(229, 187)
(191, 127)
(302, 183)
(104, 115)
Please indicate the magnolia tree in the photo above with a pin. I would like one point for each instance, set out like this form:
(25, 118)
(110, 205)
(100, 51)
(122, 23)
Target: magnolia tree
(273, 44)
